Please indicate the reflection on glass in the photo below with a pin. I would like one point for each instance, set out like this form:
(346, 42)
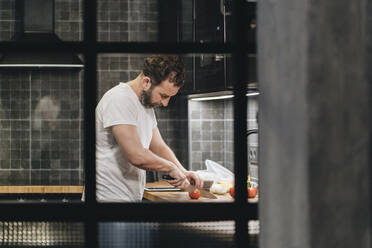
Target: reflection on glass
(41, 132)
(191, 234)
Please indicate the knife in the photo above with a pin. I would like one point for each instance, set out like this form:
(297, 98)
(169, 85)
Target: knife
(191, 188)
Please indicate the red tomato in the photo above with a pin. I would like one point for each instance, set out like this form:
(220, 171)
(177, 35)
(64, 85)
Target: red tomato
(252, 192)
(194, 194)
(231, 191)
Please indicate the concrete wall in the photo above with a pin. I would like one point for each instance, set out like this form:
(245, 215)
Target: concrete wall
(314, 123)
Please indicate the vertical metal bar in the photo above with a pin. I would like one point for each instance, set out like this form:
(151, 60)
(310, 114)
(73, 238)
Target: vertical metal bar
(240, 118)
(90, 93)
(194, 40)
(368, 60)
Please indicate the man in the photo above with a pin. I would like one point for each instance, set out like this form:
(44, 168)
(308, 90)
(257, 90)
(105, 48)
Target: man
(128, 140)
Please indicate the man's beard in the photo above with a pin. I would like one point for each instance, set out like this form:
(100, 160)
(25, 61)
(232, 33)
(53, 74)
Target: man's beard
(146, 99)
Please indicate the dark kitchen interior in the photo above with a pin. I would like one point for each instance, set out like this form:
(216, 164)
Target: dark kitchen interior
(45, 135)
(295, 72)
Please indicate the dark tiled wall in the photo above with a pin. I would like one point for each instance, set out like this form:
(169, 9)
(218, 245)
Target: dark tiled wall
(127, 20)
(115, 68)
(68, 19)
(40, 120)
(211, 127)
(7, 19)
(208, 133)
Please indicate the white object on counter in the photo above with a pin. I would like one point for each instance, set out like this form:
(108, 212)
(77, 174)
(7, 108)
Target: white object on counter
(215, 172)
(218, 189)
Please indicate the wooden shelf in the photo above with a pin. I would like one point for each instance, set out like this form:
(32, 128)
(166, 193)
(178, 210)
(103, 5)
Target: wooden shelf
(41, 189)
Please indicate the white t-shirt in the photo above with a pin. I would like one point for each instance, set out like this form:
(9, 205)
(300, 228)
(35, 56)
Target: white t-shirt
(118, 180)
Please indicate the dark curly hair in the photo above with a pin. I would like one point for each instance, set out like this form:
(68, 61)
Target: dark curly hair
(161, 67)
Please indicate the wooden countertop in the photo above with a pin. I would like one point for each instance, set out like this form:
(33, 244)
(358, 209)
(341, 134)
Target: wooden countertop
(178, 196)
(181, 196)
(41, 189)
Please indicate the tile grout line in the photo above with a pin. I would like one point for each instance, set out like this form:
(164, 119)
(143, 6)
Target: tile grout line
(10, 128)
(30, 131)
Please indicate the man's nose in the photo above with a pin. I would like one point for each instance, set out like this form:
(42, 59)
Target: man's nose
(165, 102)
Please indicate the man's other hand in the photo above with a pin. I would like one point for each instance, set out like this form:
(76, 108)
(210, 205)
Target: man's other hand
(194, 179)
(180, 180)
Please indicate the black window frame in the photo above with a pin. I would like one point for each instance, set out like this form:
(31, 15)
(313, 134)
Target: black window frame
(90, 212)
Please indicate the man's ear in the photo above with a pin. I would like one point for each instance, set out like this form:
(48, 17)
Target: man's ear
(146, 83)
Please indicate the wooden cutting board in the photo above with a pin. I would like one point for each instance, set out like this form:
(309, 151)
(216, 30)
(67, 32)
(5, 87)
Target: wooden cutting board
(182, 197)
(178, 196)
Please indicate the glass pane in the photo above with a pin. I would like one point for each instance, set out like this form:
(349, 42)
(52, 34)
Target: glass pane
(154, 234)
(59, 19)
(41, 234)
(41, 133)
(211, 120)
(252, 123)
(118, 69)
(195, 130)
(127, 20)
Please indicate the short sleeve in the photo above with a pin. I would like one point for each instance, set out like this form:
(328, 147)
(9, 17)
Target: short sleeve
(154, 123)
(119, 109)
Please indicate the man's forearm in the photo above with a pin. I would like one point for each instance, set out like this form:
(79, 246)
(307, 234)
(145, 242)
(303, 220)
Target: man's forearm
(148, 160)
(137, 155)
(166, 153)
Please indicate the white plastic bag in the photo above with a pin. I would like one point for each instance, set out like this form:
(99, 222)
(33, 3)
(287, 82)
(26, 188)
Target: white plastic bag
(216, 173)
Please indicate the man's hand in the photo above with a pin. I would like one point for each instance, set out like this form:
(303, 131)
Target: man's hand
(180, 180)
(194, 179)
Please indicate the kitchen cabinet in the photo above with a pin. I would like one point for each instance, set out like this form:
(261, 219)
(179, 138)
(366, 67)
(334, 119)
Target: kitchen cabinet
(207, 21)
(211, 21)
(209, 27)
